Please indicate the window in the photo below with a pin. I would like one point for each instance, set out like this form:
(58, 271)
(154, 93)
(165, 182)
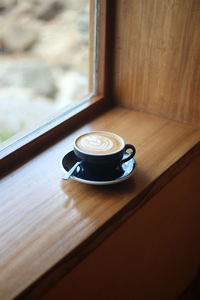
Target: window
(67, 117)
(44, 60)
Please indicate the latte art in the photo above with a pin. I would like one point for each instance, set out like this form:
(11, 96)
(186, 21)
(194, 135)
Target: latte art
(99, 143)
(96, 143)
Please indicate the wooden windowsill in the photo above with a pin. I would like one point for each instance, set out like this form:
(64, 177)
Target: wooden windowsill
(48, 225)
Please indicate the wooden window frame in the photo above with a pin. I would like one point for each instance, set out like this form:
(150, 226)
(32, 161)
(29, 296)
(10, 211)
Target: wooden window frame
(96, 102)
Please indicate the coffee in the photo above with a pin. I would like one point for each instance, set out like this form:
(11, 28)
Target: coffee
(99, 142)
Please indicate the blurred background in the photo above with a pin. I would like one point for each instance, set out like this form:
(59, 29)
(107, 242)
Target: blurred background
(44, 51)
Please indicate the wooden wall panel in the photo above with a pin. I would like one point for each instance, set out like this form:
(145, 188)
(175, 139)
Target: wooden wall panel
(157, 57)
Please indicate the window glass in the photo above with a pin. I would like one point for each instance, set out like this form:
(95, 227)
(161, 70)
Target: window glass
(44, 61)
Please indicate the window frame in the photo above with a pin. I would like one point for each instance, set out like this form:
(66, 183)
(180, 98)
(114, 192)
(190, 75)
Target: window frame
(96, 102)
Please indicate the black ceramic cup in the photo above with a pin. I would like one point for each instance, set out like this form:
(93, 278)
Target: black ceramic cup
(104, 162)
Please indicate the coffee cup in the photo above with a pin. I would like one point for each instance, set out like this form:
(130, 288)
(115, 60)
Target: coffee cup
(102, 150)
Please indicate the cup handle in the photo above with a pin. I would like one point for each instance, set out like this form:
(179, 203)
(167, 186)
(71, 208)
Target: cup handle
(131, 154)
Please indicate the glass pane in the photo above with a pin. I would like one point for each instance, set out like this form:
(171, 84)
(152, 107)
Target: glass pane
(44, 61)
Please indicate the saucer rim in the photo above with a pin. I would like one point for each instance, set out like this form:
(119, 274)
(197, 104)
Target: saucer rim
(106, 182)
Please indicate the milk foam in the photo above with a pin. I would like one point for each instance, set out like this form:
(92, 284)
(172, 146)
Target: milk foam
(99, 143)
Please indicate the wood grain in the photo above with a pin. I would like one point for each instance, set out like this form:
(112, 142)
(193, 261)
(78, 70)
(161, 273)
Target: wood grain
(154, 255)
(157, 57)
(47, 224)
